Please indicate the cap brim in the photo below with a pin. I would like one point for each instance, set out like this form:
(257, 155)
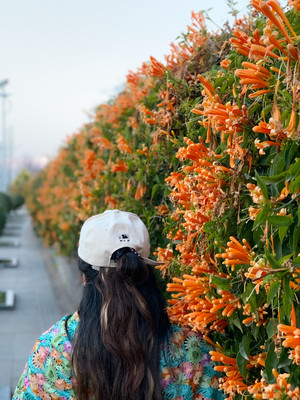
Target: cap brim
(148, 261)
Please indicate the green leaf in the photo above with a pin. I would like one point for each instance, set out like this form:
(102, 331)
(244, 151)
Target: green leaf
(255, 331)
(287, 96)
(273, 262)
(261, 216)
(154, 190)
(298, 215)
(293, 150)
(219, 81)
(272, 327)
(274, 178)
(244, 347)
(257, 235)
(280, 220)
(241, 363)
(282, 232)
(284, 359)
(209, 227)
(278, 163)
(262, 185)
(273, 291)
(271, 362)
(294, 170)
(287, 257)
(287, 296)
(295, 185)
(253, 108)
(221, 282)
(236, 321)
(296, 238)
(267, 110)
(224, 87)
(296, 261)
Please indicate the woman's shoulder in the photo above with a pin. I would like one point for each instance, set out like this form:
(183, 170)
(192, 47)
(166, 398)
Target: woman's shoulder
(48, 370)
(52, 347)
(62, 330)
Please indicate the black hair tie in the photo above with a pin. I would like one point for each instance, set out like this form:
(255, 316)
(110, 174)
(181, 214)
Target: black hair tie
(133, 251)
(119, 253)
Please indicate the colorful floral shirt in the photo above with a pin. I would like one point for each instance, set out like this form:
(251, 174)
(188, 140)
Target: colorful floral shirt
(186, 370)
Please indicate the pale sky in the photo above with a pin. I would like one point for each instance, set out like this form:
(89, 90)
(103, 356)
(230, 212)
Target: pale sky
(64, 57)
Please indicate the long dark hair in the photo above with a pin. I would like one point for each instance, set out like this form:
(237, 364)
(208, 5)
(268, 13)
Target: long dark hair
(123, 326)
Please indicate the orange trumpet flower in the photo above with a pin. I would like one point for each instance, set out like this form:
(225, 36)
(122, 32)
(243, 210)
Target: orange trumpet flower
(275, 5)
(295, 4)
(272, 39)
(279, 390)
(195, 32)
(291, 128)
(228, 302)
(225, 63)
(123, 145)
(259, 318)
(156, 68)
(263, 145)
(220, 357)
(236, 253)
(259, 93)
(257, 360)
(291, 336)
(110, 201)
(208, 87)
(262, 127)
(234, 381)
(140, 191)
(242, 42)
(262, 51)
(102, 142)
(264, 8)
(166, 256)
(256, 76)
(256, 193)
(119, 166)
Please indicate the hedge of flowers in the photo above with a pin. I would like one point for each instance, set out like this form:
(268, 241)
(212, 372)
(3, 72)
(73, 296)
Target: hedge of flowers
(205, 148)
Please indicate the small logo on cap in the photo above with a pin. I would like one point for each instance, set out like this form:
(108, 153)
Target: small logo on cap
(124, 238)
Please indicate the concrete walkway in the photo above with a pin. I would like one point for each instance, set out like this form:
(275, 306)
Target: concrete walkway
(41, 299)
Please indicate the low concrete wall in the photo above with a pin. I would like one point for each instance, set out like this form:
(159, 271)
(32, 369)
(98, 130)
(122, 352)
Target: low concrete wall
(66, 279)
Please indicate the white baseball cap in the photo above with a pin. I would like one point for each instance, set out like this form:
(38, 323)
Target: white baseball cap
(103, 234)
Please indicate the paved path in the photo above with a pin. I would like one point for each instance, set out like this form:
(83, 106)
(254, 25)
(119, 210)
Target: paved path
(40, 300)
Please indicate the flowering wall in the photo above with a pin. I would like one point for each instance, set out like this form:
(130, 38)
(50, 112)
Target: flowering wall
(205, 149)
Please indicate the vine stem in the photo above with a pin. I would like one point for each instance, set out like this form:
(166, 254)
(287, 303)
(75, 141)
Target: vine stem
(287, 204)
(272, 272)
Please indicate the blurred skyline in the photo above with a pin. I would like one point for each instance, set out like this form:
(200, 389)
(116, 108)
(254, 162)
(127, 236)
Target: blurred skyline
(65, 57)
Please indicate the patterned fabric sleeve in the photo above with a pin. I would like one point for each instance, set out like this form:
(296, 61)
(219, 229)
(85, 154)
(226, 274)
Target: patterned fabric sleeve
(47, 374)
(186, 368)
